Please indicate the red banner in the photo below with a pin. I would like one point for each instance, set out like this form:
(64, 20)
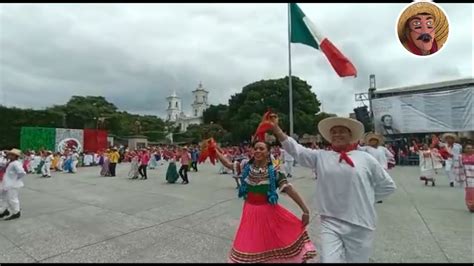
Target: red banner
(94, 140)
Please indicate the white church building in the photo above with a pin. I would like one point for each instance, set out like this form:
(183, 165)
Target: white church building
(176, 114)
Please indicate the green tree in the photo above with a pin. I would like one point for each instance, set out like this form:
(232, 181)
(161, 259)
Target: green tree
(216, 114)
(12, 119)
(97, 112)
(246, 108)
(196, 133)
(85, 111)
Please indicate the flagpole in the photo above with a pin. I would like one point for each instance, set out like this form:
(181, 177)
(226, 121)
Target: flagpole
(290, 85)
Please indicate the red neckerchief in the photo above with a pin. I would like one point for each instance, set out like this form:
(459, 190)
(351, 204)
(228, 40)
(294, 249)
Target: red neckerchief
(343, 154)
(3, 170)
(412, 47)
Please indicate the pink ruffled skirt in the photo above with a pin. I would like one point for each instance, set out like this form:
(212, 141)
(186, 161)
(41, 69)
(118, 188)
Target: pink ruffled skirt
(270, 234)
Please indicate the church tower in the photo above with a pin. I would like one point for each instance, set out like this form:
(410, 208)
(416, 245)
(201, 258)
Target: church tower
(174, 107)
(200, 101)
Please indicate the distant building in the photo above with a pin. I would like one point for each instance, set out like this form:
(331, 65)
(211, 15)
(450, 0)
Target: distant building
(199, 105)
(424, 109)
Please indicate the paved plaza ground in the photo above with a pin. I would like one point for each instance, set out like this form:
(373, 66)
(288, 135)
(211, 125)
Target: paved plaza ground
(87, 218)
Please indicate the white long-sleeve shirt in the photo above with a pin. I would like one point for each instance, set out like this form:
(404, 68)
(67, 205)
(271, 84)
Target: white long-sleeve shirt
(286, 156)
(48, 159)
(456, 150)
(344, 192)
(381, 154)
(13, 177)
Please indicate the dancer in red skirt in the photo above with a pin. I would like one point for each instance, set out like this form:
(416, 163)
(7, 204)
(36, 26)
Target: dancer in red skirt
(465, 169)
(268, 233)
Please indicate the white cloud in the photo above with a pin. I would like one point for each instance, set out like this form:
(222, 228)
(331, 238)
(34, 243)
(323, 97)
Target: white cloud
(136, 54)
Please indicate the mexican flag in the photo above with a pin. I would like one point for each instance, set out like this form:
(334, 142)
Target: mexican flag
(303, 31)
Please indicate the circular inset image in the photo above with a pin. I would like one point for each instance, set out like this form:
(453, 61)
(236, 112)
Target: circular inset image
(423, 28)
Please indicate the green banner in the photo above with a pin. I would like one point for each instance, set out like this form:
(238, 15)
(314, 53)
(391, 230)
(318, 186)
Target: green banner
(38, 138)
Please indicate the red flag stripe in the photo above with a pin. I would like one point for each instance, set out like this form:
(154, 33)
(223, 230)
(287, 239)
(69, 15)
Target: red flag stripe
(340, 63)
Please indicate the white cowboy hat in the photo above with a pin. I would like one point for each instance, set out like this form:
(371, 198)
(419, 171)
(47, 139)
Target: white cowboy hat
(372, 135)
(446, 135)
(16, 152)
(356, 127)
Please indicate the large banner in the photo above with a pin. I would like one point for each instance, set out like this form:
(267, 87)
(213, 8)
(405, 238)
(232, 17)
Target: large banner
(444, 111)
(69, 139)
(37, 138)
(60, 139)
(95, 140)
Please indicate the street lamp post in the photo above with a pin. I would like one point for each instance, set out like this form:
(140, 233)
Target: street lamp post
(372, 89)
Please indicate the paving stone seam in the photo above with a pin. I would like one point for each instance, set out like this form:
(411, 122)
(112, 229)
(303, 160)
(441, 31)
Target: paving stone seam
(202, 233)
(15, 245)
(84, 203)
(136, 230)
(116, 188)
(413, 203)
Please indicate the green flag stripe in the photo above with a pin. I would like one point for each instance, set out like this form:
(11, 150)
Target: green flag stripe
(299, 31)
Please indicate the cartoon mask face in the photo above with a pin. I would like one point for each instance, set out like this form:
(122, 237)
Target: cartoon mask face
(421, 31)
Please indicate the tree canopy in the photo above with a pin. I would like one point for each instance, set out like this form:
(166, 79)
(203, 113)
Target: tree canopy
(231, 123)
(245, 109)
(79, 112)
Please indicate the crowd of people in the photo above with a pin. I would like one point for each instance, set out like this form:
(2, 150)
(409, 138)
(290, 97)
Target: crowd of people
(268, 232)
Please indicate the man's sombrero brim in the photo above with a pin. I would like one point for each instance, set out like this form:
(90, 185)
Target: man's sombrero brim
(441, 22)
(356, 127)
(370, 136)
(16, 152)
(447, 135)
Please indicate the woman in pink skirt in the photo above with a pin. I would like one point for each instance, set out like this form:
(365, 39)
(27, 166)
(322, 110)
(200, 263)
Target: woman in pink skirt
(26, 162)
(465, 169)
(268, 233)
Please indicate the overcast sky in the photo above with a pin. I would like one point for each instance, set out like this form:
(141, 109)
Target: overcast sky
(136, 54)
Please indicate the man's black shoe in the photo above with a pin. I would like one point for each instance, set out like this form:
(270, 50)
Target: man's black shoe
(13, 216)
(5, 213)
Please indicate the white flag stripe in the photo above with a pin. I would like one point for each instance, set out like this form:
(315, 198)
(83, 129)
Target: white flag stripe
(312, 28)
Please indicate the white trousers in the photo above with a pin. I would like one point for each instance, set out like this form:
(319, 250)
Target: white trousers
(342, 242)
(3, 201)
(46, 170)
(289, 167)
(9, 200)
(222, 169)
(74, 166)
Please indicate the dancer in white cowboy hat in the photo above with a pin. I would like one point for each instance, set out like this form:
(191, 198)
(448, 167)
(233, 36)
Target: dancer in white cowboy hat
(349, 184)
(75, 160)
(454, 150)
(288, 161)
(373, 146)
(11, 183)
(46, 169)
